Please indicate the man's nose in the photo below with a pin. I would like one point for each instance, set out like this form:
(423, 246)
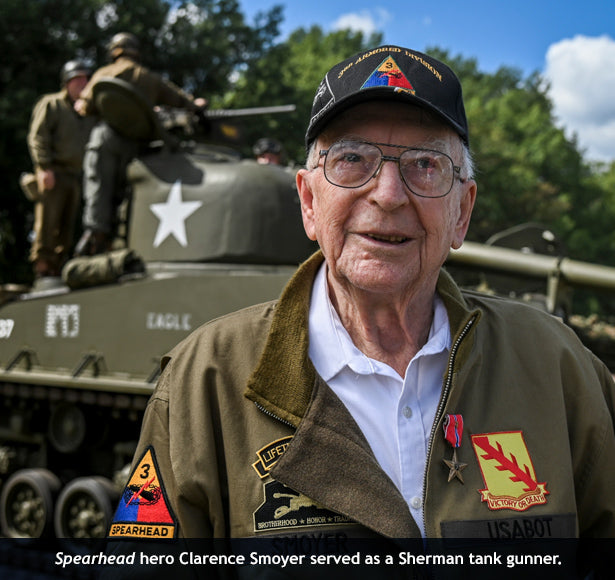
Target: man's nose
(388, 188)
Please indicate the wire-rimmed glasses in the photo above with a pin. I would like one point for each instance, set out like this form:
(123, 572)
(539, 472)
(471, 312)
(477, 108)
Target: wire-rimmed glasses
(426, 172)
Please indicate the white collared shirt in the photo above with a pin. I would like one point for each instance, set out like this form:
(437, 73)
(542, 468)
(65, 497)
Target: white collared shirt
(395, 414)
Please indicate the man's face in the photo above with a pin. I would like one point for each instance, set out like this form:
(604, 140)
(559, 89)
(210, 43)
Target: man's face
(269, 158)
(381, 237)
(75, 85)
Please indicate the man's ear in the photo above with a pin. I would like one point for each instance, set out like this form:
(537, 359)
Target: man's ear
(306, 197)
(466, 205)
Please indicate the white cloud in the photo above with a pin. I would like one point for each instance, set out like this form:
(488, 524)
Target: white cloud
(581, 72)
(366, 21)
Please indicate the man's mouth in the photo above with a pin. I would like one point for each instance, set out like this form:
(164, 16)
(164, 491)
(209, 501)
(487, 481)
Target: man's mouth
(388, 239)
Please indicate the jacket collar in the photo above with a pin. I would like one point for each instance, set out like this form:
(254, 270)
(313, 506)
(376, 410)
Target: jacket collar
(284, 377)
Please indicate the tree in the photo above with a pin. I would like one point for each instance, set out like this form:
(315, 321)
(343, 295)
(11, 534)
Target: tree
(36, 39)
(196, 44)
(527, 169)
(289, 74)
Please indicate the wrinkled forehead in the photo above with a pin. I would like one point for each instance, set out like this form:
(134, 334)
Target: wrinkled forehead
(388, 114)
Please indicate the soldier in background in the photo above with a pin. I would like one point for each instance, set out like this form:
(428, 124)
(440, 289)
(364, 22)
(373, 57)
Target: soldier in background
(108, 152)
(268, 152)
(56, 141)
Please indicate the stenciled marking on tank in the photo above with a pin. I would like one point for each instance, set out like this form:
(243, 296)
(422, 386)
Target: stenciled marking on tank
(168, 321)
(173, 214)
(6, 327)
(62, 320)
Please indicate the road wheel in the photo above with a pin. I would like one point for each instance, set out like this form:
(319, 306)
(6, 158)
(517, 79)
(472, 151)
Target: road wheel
(27, 503)
(84, 508)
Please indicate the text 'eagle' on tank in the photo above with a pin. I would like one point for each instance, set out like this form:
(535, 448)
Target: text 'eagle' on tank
(204, 233)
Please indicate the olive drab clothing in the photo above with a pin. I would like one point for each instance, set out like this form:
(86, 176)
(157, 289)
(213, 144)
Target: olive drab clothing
(155, 89)
(246, 440)
(104, 166)
(108, 153)
(56, 141)
(57, 134)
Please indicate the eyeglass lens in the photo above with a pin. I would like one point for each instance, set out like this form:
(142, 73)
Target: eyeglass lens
(425, 172)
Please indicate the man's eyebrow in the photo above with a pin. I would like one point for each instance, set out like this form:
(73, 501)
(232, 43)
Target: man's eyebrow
(436, 143)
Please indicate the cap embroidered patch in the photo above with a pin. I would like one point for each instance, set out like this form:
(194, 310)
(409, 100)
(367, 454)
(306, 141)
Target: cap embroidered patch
(388, 74)
(508, 473)
(143, 509)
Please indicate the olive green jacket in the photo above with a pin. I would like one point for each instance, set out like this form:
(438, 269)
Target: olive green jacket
(57, 134)
(155, 89)
(249, 441)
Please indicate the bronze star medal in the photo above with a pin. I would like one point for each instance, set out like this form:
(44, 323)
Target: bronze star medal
(453, 431)
(455, 467)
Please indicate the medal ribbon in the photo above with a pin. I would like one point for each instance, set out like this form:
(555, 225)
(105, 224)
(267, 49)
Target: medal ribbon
(453, 429)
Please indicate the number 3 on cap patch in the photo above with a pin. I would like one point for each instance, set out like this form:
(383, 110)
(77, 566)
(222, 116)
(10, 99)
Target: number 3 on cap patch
(143, 510)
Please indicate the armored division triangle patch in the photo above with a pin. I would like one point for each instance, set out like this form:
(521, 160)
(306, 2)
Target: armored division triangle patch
(388, 74)
(143, 510)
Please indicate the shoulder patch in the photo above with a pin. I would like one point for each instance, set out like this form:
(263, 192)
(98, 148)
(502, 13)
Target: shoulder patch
(508, 472)
(269, 455)
(143, 510)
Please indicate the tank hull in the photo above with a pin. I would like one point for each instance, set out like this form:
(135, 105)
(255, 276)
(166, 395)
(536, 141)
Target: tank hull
(72, 399)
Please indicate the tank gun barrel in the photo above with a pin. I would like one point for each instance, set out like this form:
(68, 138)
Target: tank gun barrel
(506, 260)
(251, 111)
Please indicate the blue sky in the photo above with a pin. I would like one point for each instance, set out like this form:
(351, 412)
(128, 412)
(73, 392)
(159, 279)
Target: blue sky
(571, 43)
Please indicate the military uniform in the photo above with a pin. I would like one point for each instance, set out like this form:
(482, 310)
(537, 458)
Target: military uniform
(243, 439)
(56, 141)
(108, 152)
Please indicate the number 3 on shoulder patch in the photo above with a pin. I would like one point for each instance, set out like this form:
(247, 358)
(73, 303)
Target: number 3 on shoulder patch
(143, 510)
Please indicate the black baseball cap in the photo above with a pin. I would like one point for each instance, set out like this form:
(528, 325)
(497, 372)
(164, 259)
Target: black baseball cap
(389, 73)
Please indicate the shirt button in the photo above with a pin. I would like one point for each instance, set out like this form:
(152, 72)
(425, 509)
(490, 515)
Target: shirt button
(415, 502)
(407, 412)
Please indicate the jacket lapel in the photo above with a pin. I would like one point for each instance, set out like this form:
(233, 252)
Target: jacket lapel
(330, 461)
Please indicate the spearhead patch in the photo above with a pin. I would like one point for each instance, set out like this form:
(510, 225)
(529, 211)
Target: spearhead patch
(388, 74)
(143, 510)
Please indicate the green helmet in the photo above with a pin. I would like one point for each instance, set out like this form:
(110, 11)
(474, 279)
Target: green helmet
(123, 43)
(74, 68)
(267, 145)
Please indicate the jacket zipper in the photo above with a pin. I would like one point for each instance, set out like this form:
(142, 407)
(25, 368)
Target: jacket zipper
(443, 399)
(270, 414)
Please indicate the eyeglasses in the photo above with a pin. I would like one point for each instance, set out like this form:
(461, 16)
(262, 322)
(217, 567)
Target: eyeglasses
(426, 172)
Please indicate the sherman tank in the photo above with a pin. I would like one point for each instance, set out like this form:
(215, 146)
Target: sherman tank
(205, 232)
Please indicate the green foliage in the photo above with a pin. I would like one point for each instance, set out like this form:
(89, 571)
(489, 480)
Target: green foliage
(196, 44)
(289, 74)
(36, 38)
(204, 42)
(527, 169)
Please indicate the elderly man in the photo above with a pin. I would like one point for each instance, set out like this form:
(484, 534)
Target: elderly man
(374, 398)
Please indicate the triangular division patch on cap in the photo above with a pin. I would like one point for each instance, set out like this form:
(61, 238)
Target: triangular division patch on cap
(388, 74)
(143, 510)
